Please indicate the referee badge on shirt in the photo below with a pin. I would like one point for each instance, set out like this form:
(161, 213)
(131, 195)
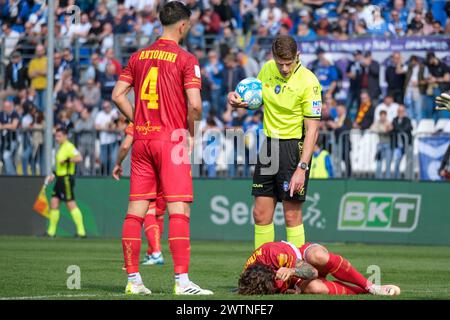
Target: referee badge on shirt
(277, 89)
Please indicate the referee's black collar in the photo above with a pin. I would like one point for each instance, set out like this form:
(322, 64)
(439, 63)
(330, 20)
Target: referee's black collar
(298, 67)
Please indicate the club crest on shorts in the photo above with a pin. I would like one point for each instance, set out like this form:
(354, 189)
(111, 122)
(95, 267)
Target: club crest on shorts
(277, 89)
(285, 186)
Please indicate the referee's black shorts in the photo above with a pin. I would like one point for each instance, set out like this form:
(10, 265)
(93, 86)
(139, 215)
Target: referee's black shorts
(270, 183)
(64, 188)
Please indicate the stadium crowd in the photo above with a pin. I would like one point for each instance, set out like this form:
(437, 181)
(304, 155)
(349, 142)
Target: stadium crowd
(228, 38)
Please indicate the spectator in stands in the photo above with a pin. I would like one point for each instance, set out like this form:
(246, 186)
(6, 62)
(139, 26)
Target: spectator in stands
(321, 164)
(105, 123)
(91, 96)
(211, 20)
(399, 7)
(437, 76)
(323, 27)
(326, 73)
(81, 30)
(360, 29)
(395, 77)
(396, 26)
(26, 121)
(305, 33)
(365, 115)
(102, 15)
(249, 64)
(416, 26)
(355, 73)
(58, 67)
(224, 10)
(65, 90)
(63, 121)
(388, 105)
(342, 126)
(69, 63)
(9, 123)
(93, 71)
(37, 71)
(85, 137)
(370, 79)
(214, 69)
(270, 11)
(384, 151)
(16, 76)
(402, 129)
(107, 37)
(110, 57)
(11, 40)
(232, 74)
(108, 81)
(197, 31)
(37, 141)
(248, 10)
(415, 86)
(377, 26)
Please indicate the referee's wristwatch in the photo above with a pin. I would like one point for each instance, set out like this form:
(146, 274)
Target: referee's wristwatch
(303, 166)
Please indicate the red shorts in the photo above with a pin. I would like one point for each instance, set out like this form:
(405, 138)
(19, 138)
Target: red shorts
(153, 170)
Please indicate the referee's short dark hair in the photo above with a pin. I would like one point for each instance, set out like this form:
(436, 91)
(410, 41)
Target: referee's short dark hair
(284, 47)
(173, 12)
(62, 130)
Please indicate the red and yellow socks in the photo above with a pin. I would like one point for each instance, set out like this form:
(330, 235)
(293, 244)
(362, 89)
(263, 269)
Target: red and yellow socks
(179, 242)
(341, 269)
(131, 242)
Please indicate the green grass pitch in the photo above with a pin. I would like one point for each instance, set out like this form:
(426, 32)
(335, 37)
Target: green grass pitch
(35, 268)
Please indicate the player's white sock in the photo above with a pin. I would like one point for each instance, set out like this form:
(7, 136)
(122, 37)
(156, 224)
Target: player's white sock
(182, 279)
(135, 278)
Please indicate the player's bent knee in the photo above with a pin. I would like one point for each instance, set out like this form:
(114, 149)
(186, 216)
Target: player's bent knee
(317, 256)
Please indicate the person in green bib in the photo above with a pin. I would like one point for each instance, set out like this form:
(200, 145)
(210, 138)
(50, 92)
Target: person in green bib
(67, 157)
(292, 111)
(321, 164)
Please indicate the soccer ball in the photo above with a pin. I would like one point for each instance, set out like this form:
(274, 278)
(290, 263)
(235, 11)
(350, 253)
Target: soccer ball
(250, 90)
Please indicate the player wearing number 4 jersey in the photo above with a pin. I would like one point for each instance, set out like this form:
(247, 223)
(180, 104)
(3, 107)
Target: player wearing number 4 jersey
(166, 82)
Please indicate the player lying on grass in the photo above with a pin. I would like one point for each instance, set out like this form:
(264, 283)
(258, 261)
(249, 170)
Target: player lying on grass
(153, 228)
(280, 267)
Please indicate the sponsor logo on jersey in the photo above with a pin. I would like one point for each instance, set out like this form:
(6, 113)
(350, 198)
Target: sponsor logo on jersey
(388, 212)
(317, 108)
(147, 128)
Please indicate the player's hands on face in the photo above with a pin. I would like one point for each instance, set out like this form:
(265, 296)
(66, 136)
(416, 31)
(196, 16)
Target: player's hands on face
(285, 273)
(443, 102)
(117, 172)
(235, 100)
(297, 181)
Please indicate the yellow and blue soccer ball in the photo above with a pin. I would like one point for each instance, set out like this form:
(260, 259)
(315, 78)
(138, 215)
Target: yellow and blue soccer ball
(250, 90)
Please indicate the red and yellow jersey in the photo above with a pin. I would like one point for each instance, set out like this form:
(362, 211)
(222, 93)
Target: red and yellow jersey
(275, 255)
(160, 74)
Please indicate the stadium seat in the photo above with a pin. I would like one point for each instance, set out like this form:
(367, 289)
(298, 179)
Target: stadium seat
(441, 124)
(426, 126)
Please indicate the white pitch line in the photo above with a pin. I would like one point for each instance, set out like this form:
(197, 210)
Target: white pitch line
(61, 296)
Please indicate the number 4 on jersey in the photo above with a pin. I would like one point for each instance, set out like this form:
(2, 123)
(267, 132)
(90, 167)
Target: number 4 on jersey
(148, 90)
